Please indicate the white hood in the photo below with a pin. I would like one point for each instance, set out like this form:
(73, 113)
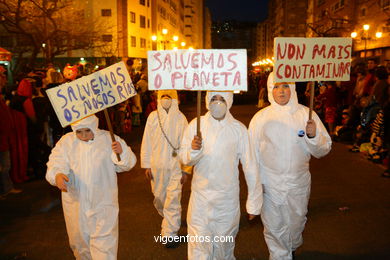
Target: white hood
(91, 122)
(292, 104)
(227, 95)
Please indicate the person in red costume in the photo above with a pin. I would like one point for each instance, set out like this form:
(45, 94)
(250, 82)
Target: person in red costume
(22, 109)
(6, 128)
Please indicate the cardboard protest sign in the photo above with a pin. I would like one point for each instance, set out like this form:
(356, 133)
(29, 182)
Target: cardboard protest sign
(198, 70)
(312, 59)
(80, 98)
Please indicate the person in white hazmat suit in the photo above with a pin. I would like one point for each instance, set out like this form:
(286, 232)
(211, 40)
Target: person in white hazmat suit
(159, 156)
(83, 165)
(214, 207)
(283, 140)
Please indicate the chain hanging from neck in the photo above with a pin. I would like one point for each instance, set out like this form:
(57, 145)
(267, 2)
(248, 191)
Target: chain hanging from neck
(174, 152)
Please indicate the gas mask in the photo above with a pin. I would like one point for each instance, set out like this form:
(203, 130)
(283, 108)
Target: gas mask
(166, 103)
(218, 109)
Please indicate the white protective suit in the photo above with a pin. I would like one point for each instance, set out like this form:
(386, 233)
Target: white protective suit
(283, 158)
(156, 154)
(91, 203)
(214, 207)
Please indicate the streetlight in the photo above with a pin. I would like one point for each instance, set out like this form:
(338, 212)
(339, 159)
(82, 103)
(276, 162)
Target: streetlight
(366, 27)
(154, 42)
(366, 37)
(183, 44)
(164, 40)
(164, 32)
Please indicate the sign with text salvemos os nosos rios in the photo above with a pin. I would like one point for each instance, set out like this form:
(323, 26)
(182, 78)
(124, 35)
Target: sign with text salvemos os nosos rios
(198, 69)
(312, 59)
(85, 96)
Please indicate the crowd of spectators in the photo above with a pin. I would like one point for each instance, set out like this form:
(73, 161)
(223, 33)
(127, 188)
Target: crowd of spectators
(355, 112)
(29, 126)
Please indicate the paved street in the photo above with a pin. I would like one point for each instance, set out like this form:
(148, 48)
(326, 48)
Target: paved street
(340, 180)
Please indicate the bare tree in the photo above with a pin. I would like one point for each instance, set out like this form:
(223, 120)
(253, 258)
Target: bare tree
(54, 26)
(329, 26)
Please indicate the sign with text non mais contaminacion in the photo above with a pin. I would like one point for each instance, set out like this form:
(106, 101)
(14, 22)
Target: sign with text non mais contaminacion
(312, 59)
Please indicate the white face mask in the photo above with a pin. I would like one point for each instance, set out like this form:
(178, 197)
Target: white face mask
(166, 103)
(217, 109)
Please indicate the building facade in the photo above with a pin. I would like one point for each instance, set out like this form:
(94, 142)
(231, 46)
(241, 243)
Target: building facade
(235, 35)
(346, 18)
(330, 18)
(285, 19)
(130, 28)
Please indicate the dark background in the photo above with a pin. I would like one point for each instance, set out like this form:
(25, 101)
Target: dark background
(240, 10)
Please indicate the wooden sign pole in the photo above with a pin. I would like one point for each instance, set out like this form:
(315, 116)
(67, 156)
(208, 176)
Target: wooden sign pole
(198, 111)
(311, 100)
(111, 131)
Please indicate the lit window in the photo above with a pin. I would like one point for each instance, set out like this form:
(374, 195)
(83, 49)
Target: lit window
(142, 21)
(133, 41)
(132, 17)
(143, 43)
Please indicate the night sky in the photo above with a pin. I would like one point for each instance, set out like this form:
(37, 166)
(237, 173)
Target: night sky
(240, 10)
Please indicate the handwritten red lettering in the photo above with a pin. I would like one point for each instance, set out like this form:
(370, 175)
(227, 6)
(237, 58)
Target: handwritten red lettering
(221, 61)
(226, 75)
(317, 51)
(157, 81)
(278, 71)
(206, 61)
(185, 66)
(176, 75)
(215, 79)
(290, 51)
(347, 51)
(177, 65)
(287, 71)
(332, 52)
(167, 62)
(237, 79)
(156, 56)
(195, 80)
(195, 61)
(234, 63)
(279, 54)
(205, 77)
